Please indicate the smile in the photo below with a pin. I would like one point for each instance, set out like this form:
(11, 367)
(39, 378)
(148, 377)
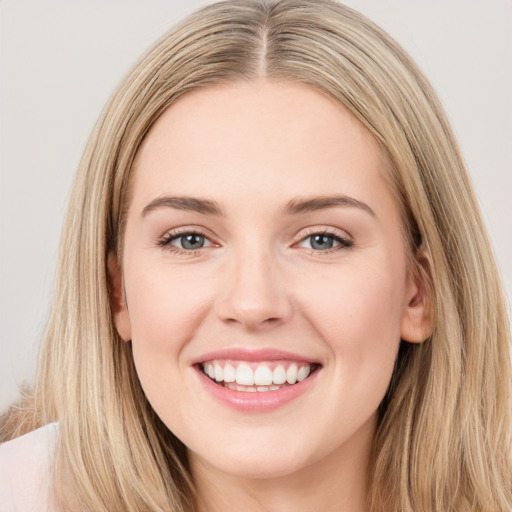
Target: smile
(256, 381)
(247, 376)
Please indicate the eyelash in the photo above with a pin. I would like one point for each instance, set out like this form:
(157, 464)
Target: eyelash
(344, 242)
(165, 241)
(168, 238)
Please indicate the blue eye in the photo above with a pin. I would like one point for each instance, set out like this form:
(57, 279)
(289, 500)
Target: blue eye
(322, 242)
(185, 242)
(191, 241)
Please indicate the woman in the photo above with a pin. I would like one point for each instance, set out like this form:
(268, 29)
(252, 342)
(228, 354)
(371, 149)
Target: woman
(275, 289)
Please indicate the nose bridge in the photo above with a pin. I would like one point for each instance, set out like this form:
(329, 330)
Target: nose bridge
(255, 293)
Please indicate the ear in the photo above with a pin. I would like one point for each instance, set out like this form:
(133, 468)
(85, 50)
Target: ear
(418, 316)
(117, 300)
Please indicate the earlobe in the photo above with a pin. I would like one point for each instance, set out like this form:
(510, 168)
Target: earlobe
(417, 319)
(120, 313)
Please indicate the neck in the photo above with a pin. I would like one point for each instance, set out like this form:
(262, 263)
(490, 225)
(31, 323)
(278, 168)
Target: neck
(337, 482)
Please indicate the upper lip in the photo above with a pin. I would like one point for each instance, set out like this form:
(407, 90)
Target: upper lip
(254, 355)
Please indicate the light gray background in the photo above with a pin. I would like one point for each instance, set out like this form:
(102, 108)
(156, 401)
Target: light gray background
(60, 60)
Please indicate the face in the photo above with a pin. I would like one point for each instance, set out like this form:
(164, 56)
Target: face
(264, 278)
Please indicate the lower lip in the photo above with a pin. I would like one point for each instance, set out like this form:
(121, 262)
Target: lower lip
(258, 401)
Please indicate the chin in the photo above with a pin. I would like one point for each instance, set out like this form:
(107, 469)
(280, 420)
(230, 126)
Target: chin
(256, 467)
(265, 459)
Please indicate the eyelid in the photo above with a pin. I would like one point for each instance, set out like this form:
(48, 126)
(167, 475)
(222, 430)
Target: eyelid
(165, 240)
(344, 239)
(186, 230)
(323, 230)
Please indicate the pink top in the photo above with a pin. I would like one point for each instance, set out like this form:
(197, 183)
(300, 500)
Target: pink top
(25, 471)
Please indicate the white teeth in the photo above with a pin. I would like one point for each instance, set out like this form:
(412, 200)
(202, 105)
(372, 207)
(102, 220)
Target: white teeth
(244, 375)
(302, 373)
(279, 375)
(229, 373)
(219, 374)
(291, 374)
(263, 376)
(260, 379)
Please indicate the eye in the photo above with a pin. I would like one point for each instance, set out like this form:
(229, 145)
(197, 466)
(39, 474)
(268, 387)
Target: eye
(325, 241)
(186, 242)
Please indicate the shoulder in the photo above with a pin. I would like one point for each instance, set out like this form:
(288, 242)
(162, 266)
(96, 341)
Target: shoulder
(25, 470)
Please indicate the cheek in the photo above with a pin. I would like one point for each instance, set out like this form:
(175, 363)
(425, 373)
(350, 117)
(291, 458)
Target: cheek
(357, 314)
(166, 306)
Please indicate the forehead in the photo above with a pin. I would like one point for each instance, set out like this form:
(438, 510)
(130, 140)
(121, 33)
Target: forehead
(257, 141)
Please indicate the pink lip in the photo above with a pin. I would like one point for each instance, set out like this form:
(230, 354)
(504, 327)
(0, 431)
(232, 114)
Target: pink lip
(243, 354)
(256, 402)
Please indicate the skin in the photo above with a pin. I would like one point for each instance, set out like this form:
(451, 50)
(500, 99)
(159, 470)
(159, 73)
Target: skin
(258, 282)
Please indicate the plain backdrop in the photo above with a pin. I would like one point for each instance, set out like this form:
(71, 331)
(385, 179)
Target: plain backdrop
(60, 61)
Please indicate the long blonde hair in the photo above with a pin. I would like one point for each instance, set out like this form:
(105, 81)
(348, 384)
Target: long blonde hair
(443, 439)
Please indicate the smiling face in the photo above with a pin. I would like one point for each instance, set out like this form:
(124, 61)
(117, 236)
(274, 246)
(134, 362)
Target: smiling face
(263, 247)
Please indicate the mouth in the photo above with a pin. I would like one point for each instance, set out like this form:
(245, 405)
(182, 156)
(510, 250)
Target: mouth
(256, 380)
(257, 377)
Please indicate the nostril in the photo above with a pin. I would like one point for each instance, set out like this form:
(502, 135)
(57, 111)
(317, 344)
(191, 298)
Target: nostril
(254, 302)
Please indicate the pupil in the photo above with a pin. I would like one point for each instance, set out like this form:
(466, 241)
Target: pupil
(192, 241)
(322, 242)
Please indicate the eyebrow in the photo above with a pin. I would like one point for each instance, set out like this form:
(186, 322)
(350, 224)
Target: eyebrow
(193, 204)
(311, 204)
(293, 207)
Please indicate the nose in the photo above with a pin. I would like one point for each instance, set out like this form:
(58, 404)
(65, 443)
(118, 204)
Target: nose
(254, 294)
